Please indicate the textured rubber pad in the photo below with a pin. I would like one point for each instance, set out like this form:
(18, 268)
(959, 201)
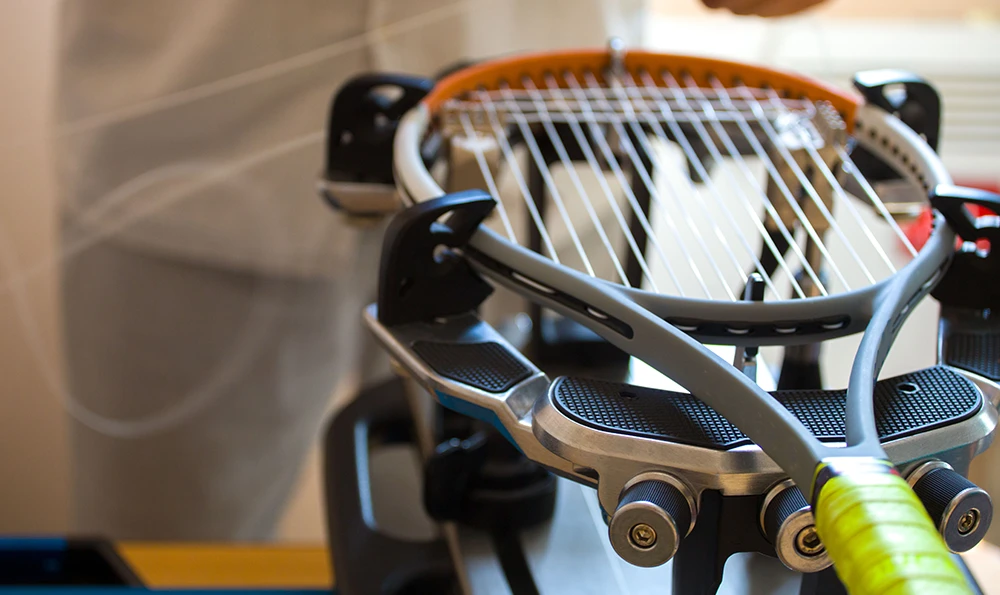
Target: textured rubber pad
(487, 366)
(904, 405)
(978, 353)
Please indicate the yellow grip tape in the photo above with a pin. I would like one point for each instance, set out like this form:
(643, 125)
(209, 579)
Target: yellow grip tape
(880, 538)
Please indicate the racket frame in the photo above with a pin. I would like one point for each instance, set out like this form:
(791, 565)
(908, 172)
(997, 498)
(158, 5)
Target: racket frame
(636, 320)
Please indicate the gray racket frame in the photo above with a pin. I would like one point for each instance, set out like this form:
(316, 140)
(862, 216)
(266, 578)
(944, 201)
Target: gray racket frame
(639, 316)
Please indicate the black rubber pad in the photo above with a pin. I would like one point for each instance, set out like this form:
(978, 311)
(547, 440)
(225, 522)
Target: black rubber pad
(978, 353)
(904, 405)
(486, 366)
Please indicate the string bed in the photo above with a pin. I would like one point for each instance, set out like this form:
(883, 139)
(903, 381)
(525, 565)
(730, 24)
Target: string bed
(675, 187)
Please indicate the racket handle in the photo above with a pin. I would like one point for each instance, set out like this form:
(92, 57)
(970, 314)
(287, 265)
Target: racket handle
(878, 533)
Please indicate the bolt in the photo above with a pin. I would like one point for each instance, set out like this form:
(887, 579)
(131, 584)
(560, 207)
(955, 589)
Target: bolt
(807, 542)
(642, 536)
(968, 522)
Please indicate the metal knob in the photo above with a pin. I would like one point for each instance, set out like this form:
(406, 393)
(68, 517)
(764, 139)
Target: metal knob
(655, 512)
(960, 509)
(787, 521)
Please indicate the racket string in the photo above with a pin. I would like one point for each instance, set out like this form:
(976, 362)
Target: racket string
(814, 238)
(597, 170)
(644, 172)
(610, 121)
(676, 194)
(553, 189)
(809, 189)
(559, 147)
(787, 235)
(835, 186)
(484, 169)
(511, 160)
(754, 217)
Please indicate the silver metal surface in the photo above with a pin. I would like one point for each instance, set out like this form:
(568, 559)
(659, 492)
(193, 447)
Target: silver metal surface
(664, 534)
(746, 470)
(572, 555)
(914, 474)
(512, 409)
(787, 540)
(612, 460)
(965, 503)
(360, 201)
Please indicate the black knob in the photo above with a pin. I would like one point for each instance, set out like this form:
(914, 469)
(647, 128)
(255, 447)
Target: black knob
(655, 512)
(960, 509)
(787, 521)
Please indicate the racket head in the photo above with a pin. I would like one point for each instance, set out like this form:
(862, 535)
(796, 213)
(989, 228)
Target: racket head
(630, 109)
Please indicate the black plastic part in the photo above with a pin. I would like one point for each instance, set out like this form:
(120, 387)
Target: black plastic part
(643, 196)
(447, 474)
(951, 201)
(419, 281)
(918, 105)
(664, 495)
(514, 562)
(938, 490)
(58, 562)
(487, 366)
(754, 292)
(970, 340)
(364, 116)
(365, 560)
(486, 483)
(904, 405)
(781, 506)
(824, 582)
(562, 344)
(799, 375)
(972, 280)
(726, 525)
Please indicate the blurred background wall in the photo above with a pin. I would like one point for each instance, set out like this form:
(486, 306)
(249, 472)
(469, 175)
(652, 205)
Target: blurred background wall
(33, 457)
(33, 446)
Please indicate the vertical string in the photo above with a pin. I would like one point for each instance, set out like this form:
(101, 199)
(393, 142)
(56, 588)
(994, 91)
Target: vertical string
(522, 185)
(484, 168)
(625, 139)
(560, 149)
(536, 155)
(592, 161)
(803, 180)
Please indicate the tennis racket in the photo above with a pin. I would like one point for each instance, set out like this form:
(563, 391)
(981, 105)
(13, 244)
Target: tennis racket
(636, 193)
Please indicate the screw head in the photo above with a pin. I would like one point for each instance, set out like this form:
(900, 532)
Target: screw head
(968, 522)
(642, 536)
(807, 542)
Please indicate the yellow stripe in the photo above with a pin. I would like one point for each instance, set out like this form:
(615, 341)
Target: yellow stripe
(880, 538)
(225, 565)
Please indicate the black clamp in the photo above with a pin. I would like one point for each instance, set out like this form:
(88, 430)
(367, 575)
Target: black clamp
(485, 482)
(420, 279)
(906, 96)
(364, 116)
(973, 277)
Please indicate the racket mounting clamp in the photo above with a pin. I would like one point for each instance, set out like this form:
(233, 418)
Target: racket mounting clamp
(972, 280)
(357, 177)
(421, 278)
